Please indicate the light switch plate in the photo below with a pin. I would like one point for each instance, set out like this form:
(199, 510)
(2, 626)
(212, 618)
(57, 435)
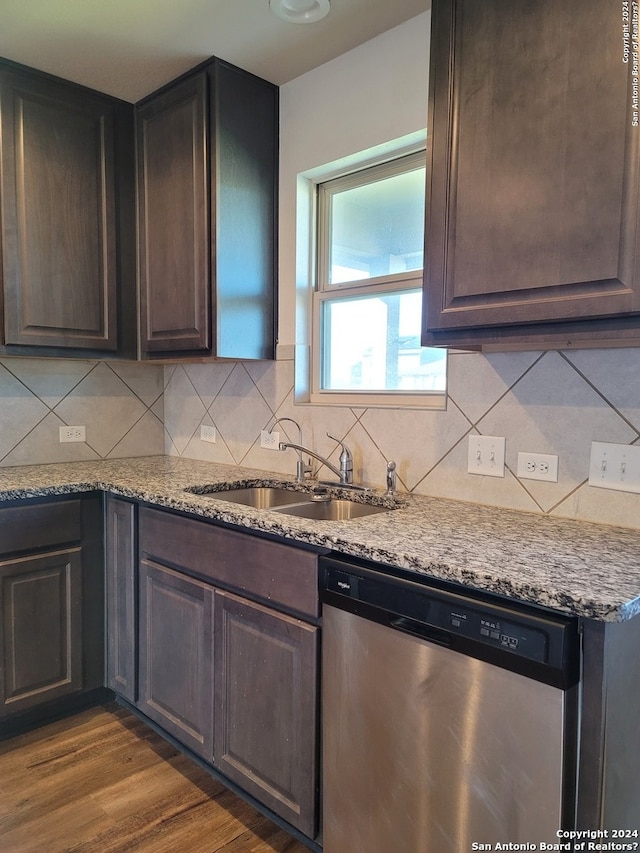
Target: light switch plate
(615, 466)
(486, 455)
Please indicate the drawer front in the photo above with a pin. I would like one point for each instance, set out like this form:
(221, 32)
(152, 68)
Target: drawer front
(279, 574)
(33, 526)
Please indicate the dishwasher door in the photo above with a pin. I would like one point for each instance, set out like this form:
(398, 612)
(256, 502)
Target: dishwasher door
(427, 750)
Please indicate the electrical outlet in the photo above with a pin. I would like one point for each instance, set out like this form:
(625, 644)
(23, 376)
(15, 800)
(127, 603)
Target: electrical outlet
(72, 433)
(615, 466)
(269, 440)
(486, 455)
(208, 433)
(538, 466)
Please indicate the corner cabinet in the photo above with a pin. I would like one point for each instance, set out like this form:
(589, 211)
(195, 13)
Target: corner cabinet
(67, 212)
(51, 607)
(532, 221)
(207, 218)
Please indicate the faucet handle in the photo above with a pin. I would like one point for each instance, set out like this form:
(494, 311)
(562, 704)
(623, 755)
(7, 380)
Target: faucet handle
(391, 478)
(346, 461)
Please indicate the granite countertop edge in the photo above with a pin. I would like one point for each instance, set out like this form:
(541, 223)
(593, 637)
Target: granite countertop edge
(590, 570)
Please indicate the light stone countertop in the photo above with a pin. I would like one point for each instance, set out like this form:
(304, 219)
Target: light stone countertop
(591, 570)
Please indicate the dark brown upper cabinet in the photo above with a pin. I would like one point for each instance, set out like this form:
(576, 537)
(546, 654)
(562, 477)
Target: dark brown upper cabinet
(207, 206)
(67, 207)
(532, 236)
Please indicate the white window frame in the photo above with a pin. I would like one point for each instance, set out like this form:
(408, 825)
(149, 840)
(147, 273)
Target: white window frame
(323, 291)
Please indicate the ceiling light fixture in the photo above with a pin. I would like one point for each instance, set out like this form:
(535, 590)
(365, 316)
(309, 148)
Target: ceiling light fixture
(300, 11)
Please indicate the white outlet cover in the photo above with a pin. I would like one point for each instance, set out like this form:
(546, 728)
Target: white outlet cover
(68, 434)
(537, 466)
(615, 466)
(208, 433)
(269, 440)
(486, 455)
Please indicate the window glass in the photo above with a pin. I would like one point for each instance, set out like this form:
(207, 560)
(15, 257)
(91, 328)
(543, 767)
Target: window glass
(372, 343)
(367, 304)
(377, 229)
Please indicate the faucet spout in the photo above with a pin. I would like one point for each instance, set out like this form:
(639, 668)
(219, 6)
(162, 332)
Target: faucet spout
(301, 467)
(285, 444)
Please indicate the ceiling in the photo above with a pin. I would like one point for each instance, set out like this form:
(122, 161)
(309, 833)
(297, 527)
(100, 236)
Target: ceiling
(128, 48)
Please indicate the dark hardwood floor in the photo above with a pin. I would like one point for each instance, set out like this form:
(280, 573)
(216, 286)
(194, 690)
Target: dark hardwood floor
(103, 782)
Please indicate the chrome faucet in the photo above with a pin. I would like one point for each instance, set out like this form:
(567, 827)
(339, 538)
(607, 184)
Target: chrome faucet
(344, 473)
(391, 479)
(302, 468)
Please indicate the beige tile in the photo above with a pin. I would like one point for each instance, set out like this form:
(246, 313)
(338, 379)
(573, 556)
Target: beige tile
(145, 438)
(415, 440)
(475, 381)
(105, 405)
(206, 451)
(183, 410)
(274, 380)
(145, 380)
(553, 410)
(239, 413)
(616, 374)
(20, 412)
(604, 506)
(42, 446)
(208, 379)
(449, 479)
(49, 379)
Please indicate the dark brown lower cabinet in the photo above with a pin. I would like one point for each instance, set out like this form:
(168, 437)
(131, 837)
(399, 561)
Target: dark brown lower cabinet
(176, 655)
(265, 701)
(121, 578)
(41, 628)
(51, 607)
(228, 643)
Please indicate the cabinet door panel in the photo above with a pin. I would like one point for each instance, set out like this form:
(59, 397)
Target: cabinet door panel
(121, 597)
(41, 637)
(59, 220)
(174, 219)
(265, 700)
(175, 655)
(532, 196)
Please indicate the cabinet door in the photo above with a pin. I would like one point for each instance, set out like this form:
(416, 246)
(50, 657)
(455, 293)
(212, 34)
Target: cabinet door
(265, 700)
(41, 636)
(121, 590)
(532, 193)
(58, 215)
(175, 655)
(173, 198)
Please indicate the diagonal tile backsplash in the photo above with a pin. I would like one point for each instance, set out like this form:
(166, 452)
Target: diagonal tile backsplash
(553, 402)
(120, 404)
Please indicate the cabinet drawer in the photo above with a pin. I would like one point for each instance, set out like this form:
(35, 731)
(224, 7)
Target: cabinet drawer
(29, 527)
(279, 574)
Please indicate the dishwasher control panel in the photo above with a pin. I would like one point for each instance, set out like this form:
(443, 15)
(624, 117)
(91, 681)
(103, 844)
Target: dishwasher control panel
(491, 631)
(513, 637)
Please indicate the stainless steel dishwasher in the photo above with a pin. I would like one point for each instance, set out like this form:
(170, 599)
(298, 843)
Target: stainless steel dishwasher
(448, 718)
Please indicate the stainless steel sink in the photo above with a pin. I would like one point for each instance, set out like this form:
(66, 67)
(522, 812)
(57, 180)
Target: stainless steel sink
(290, 502)
(260, 497)
(335, 509)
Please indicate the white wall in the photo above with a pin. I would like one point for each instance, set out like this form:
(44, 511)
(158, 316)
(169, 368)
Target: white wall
(366, 98)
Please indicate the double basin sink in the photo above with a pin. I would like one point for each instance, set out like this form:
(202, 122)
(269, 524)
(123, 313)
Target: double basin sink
(318, 505)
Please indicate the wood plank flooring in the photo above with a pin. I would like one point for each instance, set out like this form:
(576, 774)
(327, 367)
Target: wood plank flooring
(104, 782)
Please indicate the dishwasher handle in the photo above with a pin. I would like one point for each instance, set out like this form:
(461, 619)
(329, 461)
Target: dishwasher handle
(420, 630)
